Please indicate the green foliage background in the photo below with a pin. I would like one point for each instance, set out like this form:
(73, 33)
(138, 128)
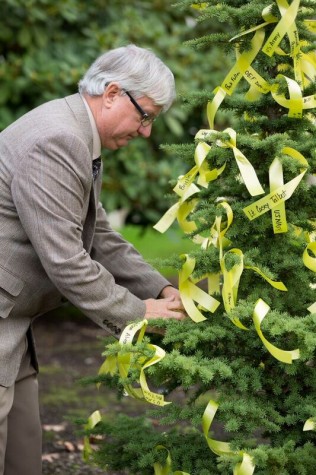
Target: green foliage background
(46, 46)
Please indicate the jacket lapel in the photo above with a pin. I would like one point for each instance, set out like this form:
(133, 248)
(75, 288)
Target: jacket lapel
(78, 108)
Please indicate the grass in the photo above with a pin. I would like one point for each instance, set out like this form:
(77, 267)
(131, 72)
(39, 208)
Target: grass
(155, 246)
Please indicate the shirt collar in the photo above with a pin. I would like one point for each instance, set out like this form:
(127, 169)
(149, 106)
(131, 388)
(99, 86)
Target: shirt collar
(95, 134)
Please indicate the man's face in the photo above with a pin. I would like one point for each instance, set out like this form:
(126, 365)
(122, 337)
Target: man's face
(119, 121)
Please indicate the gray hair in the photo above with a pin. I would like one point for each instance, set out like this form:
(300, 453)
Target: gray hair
(137, 70)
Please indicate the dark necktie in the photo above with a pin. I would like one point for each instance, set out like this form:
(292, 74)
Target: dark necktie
(96, 165)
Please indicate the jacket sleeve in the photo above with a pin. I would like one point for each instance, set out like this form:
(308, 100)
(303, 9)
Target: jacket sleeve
(123, 261)
(49, 189)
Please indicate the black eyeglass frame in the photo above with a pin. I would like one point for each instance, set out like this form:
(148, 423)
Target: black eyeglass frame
(146, 119)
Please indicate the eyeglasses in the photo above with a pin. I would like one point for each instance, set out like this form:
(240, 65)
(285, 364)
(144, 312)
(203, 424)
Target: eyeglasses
(146, 119)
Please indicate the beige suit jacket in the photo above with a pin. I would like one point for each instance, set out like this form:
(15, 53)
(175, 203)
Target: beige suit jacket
(56, 242)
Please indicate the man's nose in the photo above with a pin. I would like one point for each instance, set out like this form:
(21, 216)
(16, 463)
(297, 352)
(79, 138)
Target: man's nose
(145, 131)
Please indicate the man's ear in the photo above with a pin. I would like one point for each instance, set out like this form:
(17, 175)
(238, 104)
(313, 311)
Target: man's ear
(111, 93)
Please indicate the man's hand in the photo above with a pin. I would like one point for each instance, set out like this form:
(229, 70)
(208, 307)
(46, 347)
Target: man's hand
(168, 305)
(170, 291)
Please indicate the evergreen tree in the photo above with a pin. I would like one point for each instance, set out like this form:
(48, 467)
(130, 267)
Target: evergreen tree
(240, 373)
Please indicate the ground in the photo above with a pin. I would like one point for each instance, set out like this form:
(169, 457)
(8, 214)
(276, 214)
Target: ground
(69, 348)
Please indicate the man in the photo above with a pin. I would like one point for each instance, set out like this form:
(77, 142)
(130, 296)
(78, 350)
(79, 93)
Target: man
(56, 242)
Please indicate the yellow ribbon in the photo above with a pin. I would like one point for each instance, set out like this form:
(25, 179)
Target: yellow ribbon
(294, 44)
(310, 262)
(304, 64)
(258, 85)
(213, 106)
(311, 25)
(308, 65)
(191, 293)
(310, 424)
(232, 79)
(247, 171)
(205, 174)
(243, 62)
(296, 103)
(218, 230)
(223, 448)
(199, 6)
(185, 188)
(281, 28)
(122, 363)
(166, 470)
(246, 467)
(275, 284)
(278, 212)
(231, 279)
(260, 311)
(93, 420)
(280, 194)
